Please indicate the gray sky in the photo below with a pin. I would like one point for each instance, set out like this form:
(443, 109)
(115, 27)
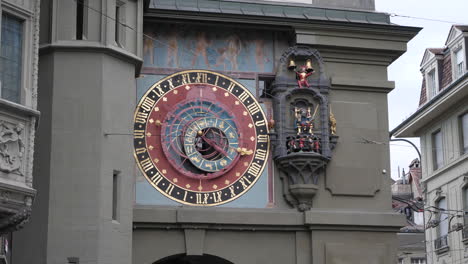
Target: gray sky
(404, 99)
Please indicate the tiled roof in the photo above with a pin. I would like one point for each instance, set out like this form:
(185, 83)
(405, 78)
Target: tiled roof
(445, 73)
(423, 96)
(270, 9)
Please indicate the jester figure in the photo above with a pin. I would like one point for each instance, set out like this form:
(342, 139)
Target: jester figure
(302, 74)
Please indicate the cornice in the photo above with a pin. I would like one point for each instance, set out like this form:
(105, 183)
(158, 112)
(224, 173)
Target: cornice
(93, 47)
(436, 106)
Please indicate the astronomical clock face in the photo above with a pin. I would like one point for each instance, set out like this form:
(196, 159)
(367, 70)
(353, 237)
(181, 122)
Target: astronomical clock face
(200, 138)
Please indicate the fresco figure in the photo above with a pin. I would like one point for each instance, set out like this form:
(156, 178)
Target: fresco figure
(172, 50)
(221, 60)
(201, 45)
(260, 58)
(148, 46)
(233, 51)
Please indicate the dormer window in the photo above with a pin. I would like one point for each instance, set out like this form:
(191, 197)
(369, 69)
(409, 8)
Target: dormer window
(459, 63)
(431, 83)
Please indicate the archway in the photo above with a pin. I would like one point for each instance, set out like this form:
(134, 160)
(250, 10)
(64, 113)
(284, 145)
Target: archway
(184, 259)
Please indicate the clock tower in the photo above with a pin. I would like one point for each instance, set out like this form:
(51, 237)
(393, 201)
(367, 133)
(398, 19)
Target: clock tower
(87, 66)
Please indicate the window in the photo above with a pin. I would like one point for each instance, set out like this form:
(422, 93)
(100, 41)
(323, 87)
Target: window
(459, 63)
(442, 215)
(115, 195)
(431, 83)
(11, 58)
(119, 23)
(437, 150)
(418, 261)
(465, 204)
(400, 260)
(464, 133)
(80, 15)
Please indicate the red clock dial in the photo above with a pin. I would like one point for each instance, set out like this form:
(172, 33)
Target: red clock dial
(200, 138)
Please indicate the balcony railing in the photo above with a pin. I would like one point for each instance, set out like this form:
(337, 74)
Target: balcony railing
(441, 243)
(465, 233)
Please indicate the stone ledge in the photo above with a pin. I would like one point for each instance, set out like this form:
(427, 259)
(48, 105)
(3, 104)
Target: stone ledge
(18, 109)
(225, 216)
(313, 219)
(353, 218)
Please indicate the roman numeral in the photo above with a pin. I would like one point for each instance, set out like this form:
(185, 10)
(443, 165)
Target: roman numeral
(171, 86)
(253, 108)
(169, 188)
(140, 150)
(260, 123)
(262, 138)
(186, 78)
(217, 196)
(201, 77)
(243, 181)
(260, 154)
(158, 91)
(146, 164)
(141, 118)
(139, 133)
(254, 169)
(231, 87)
(202, 198)
(156, 179)
(243, 96)
(231, 189)
(147, 104)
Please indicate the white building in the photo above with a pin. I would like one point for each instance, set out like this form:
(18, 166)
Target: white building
(441, 123)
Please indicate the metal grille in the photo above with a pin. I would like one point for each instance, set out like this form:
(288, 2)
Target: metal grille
(441, 242)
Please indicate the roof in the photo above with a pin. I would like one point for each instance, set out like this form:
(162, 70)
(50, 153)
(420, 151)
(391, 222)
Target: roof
(443, 101)
(270, 9)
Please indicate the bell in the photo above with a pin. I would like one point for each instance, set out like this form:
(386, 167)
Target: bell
(292, 64)
(309, 65)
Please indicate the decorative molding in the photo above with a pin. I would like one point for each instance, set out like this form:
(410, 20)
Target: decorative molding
(12, 147)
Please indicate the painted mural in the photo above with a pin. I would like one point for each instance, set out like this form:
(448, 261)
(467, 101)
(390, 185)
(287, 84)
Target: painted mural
(196, 47)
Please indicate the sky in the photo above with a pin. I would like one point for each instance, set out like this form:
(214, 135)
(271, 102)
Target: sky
(404, 99)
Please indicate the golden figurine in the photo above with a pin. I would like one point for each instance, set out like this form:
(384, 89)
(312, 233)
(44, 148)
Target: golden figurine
(332, 123)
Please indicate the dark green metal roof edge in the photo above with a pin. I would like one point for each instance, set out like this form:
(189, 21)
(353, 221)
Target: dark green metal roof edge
(427, 104)
(269, 9)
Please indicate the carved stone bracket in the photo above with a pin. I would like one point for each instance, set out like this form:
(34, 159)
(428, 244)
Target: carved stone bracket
(300, 173)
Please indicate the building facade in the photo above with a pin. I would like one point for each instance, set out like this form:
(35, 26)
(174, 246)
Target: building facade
(18, 116)
(441, 124)
(243, 145)
(407, 199)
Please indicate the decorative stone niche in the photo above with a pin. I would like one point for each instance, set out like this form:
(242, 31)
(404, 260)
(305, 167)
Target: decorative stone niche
(305, 128)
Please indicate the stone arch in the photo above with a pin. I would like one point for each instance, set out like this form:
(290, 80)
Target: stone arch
(184, 259)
